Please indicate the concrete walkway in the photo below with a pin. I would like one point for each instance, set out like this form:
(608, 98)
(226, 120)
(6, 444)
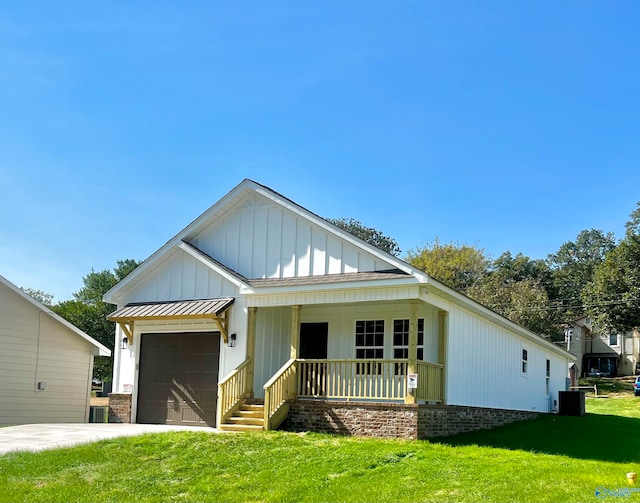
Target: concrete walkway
(38, 437)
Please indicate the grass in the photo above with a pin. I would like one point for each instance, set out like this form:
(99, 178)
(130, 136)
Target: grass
(613, 386)
(552, 458)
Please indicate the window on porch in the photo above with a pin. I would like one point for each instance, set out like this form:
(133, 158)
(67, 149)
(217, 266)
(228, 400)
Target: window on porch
(401, 339)
(369, 344)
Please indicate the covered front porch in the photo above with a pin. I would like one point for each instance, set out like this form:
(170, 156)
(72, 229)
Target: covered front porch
(412, 332)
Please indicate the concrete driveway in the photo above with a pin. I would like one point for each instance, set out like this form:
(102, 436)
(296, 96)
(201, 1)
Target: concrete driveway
(38, 437)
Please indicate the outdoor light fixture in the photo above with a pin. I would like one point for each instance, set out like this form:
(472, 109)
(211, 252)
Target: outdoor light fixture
(232, 341)
(124, 343)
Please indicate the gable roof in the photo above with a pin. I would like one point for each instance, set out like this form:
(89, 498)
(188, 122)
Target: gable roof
(399, 270)
(182, 240)
(99, 349)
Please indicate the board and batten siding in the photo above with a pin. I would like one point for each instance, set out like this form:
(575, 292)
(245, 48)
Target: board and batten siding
(273, 344)
(181, 277)
(34, 348)
(273, 332)
(484, 367)
(261, 239)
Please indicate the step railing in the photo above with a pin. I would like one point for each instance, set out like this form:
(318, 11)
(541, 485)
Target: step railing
(232, 389)
(280, 388)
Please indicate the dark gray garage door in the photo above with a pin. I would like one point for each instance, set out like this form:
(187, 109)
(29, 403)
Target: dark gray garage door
(178, 378)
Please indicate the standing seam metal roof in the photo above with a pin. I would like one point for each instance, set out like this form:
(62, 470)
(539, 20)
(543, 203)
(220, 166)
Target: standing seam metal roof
(186, 308)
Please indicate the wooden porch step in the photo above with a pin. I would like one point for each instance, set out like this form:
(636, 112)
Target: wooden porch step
(252, 407)
(259, 421)
(247, 418)
(240, 427)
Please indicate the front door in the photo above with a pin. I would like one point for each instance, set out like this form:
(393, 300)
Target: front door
(313, 346)
(313, 340)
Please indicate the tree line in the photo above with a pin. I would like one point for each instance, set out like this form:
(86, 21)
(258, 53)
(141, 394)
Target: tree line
(593, 275)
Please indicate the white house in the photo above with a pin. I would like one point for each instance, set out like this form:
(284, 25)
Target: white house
(46, 363)
(260, 311)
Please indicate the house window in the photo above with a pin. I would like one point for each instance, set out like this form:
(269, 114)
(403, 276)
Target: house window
(548, 375)
(369, 344)
(613, 339)
(569, 336)
(401, 339)
(525, 361)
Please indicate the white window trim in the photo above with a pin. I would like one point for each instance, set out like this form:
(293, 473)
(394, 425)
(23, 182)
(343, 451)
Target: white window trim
(547, 375)
(355, 332)
(524, 362)
(393, 334)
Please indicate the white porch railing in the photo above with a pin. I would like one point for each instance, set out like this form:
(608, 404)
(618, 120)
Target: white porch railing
(430, 382)
(351, 379)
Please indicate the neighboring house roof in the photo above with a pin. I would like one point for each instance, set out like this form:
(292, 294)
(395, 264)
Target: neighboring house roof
(99, 349)
(602, 355)
(399, 271)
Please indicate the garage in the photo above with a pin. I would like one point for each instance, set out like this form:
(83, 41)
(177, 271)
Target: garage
(178, 378)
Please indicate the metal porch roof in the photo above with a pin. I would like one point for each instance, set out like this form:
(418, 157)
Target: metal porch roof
(204, 308)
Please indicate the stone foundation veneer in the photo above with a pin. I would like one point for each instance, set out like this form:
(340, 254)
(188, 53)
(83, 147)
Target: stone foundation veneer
(395, 420)
(120, 407)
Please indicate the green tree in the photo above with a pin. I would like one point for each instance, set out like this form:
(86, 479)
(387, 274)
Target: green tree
(93, 322)
(96, 284)
(89, 312)
(456, 265)
(613, 297)
(368, 234)
(573, 267)
(44, 298)
(524, 302)
(519, 268)
(515, 288)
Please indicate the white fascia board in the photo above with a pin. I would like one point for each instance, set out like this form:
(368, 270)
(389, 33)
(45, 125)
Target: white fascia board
(428, 296)
(488, 314)
(99, 349)
(112, 295)
(244, 287)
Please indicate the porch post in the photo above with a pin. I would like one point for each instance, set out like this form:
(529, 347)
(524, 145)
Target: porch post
(412, 366)
(295, 347)
(442, 351)
(251, 349)
(295, 331)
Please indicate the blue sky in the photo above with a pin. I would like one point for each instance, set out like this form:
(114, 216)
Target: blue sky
(504, 125)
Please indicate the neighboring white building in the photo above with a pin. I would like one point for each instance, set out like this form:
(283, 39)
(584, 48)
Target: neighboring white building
(260, 299)
(46, 363)
(601, 354)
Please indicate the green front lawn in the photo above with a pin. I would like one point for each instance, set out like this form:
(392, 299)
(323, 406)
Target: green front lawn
(551, 458)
